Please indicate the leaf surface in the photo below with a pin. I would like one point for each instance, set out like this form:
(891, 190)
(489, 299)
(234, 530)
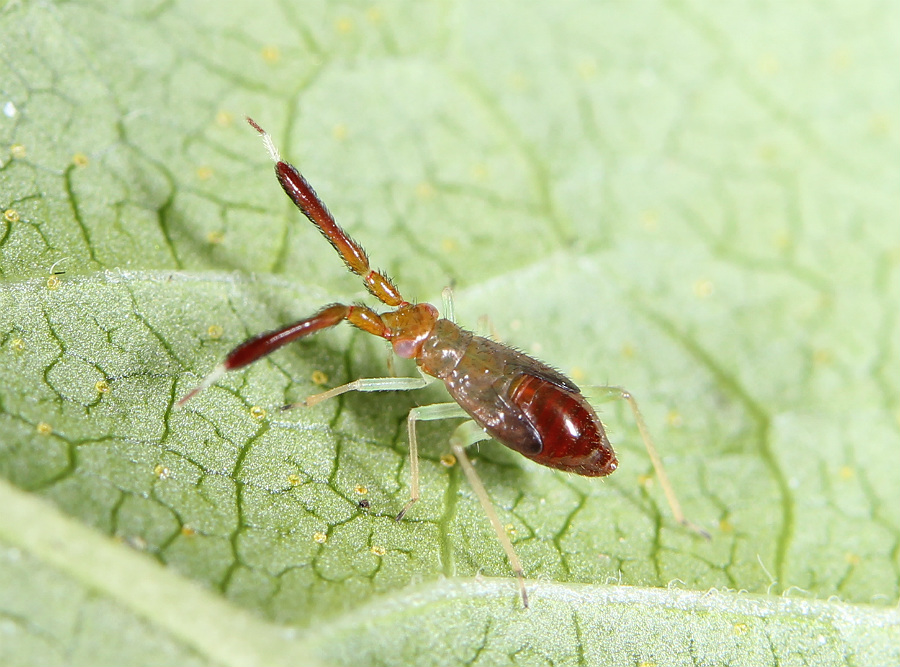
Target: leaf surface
(694, 203)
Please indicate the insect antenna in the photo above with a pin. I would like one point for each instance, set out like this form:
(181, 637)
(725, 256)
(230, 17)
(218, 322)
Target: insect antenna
(306, 199)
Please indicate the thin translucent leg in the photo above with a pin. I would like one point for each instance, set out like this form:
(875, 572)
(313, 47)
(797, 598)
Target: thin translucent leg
(466, 434)
(423, 413)
(447, 299)
(364, 384)
(668, 489)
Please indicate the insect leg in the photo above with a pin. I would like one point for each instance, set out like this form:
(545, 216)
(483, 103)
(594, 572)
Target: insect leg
(465, 435)
(668, 489)
(447, 299)
(423, 413)
(365, 384)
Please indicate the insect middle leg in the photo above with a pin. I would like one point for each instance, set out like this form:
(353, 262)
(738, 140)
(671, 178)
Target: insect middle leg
(466, 434)
(668, 489)
(423, 413)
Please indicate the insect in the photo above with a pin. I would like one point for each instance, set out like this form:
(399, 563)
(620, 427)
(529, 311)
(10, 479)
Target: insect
(507, 395)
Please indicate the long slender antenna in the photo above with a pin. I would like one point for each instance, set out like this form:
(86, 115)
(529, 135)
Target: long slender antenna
(305, 198)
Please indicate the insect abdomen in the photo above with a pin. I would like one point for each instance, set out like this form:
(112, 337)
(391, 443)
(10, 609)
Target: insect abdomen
(571, 435)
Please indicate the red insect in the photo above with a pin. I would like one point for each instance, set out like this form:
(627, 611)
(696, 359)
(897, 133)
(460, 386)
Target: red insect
(508, 396)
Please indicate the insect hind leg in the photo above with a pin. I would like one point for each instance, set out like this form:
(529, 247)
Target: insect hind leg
(668, 489)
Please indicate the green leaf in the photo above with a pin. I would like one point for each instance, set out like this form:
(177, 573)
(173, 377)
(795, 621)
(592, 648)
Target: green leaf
(696, 203)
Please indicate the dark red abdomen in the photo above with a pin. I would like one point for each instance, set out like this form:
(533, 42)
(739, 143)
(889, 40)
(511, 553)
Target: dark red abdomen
(572, 436)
